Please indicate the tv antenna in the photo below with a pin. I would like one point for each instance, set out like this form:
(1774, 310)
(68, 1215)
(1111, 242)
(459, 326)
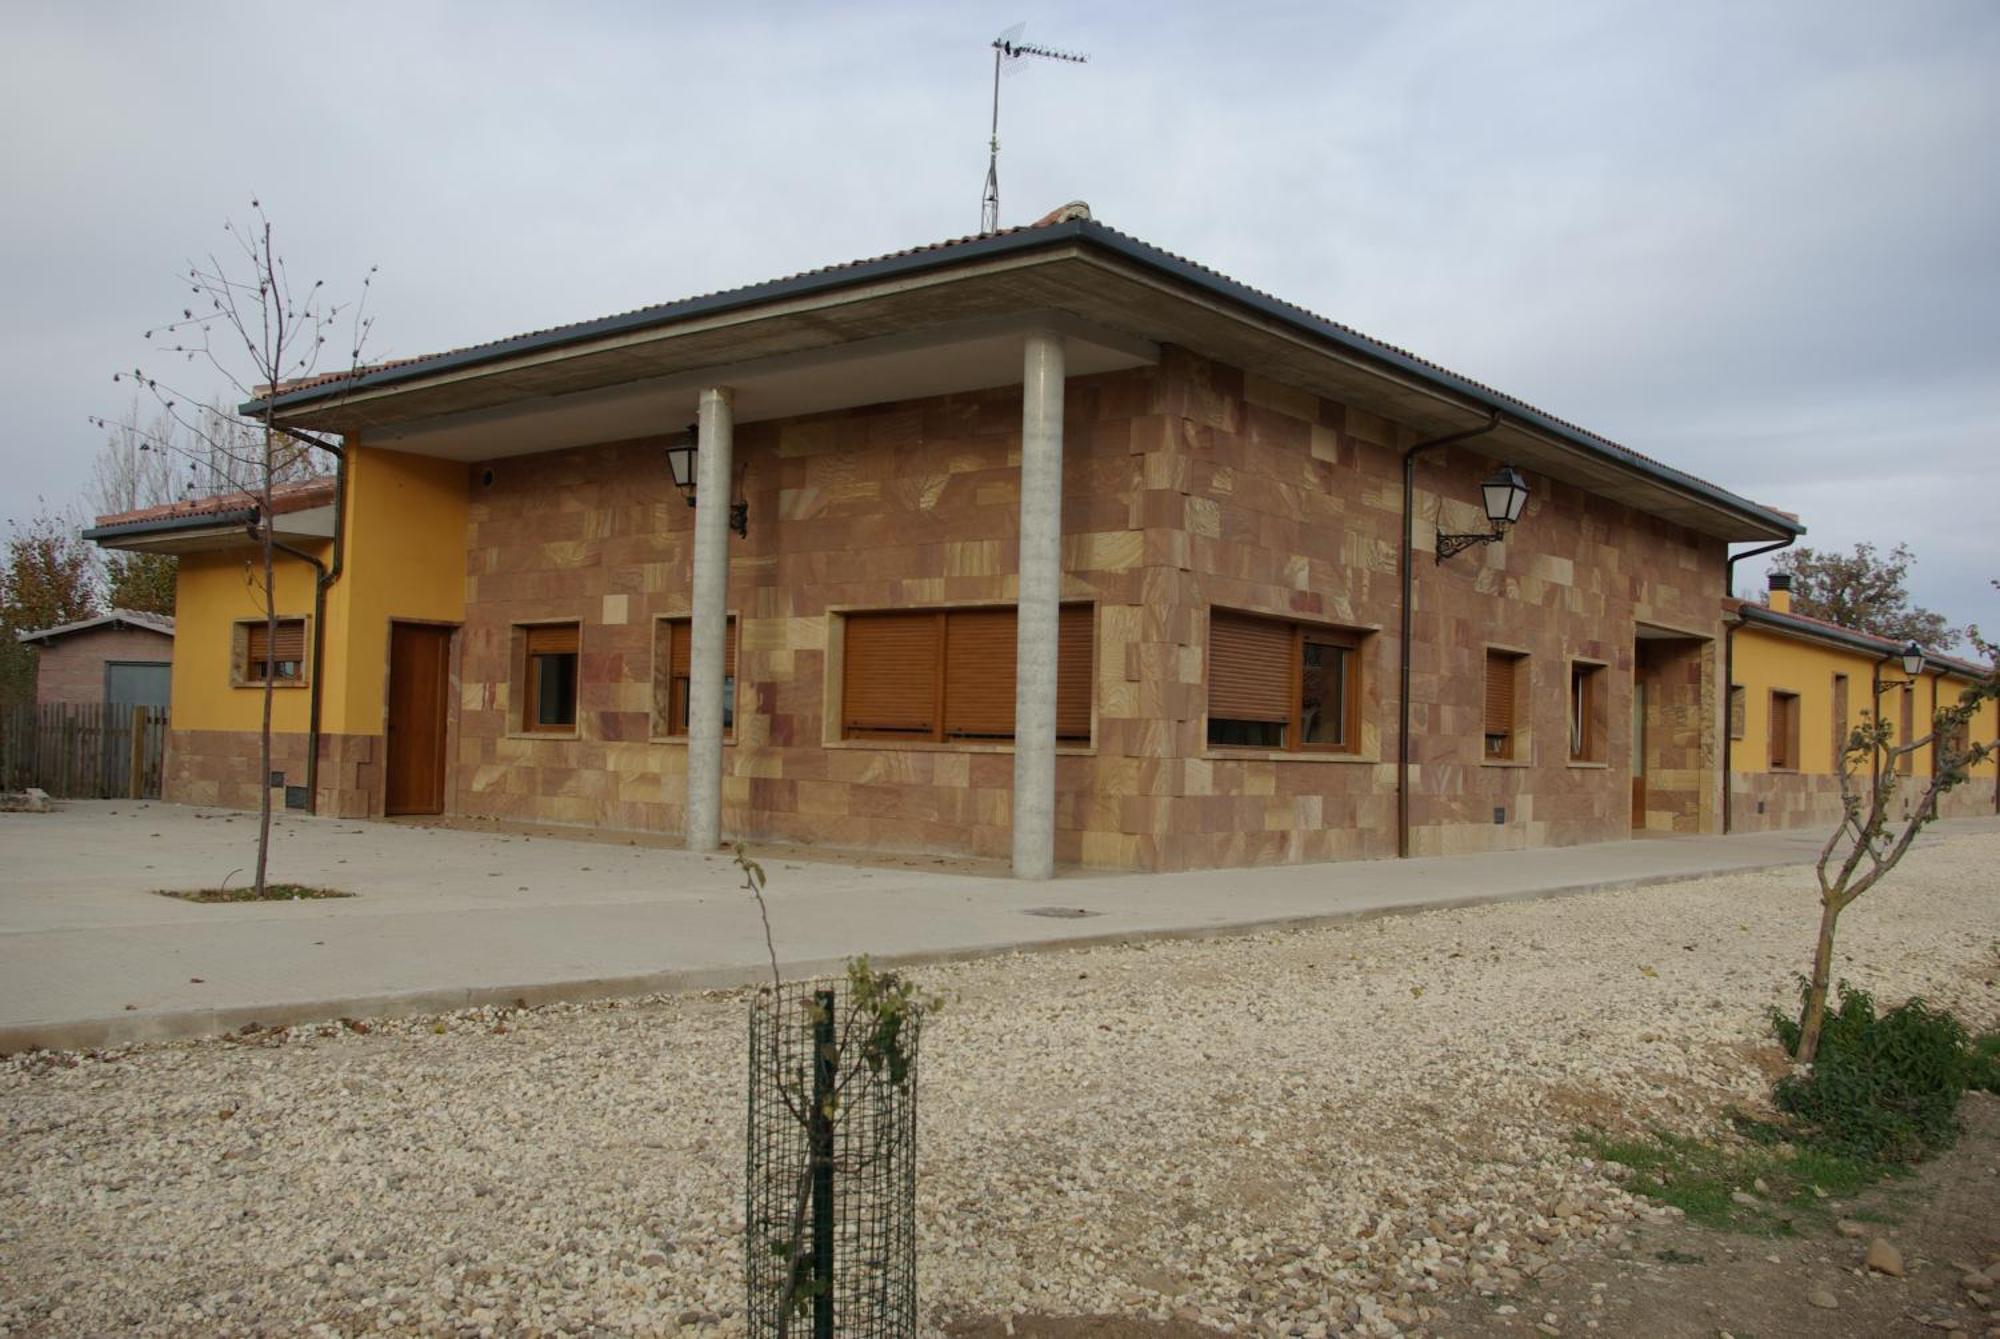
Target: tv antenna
(1010, 54)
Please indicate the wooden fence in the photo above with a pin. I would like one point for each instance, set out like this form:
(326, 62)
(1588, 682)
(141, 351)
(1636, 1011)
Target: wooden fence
(87, 752)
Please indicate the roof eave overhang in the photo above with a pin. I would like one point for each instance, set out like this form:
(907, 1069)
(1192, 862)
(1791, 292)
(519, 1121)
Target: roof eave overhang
(1080, 267)
(207, 532)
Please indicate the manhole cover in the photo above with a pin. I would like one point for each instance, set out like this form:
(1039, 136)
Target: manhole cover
(1062, 913)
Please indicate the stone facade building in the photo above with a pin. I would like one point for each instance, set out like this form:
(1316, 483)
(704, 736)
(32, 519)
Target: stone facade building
(1046, 545)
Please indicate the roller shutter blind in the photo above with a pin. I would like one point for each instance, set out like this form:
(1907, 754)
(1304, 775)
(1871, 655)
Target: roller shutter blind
(979, 660)
(1499, 693)
(1249, 668)
(889, 680)
(261, 650)
(1499, 729)
(1075, 666)
(553, 639)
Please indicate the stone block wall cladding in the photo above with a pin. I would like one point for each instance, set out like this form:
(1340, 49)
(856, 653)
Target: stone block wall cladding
(1812, 800)
(71, 669)
(1185, 485)
(220, 768)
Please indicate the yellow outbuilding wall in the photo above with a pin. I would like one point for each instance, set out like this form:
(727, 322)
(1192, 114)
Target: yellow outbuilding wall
(405, 559)
(213, 592)
(1769, 661)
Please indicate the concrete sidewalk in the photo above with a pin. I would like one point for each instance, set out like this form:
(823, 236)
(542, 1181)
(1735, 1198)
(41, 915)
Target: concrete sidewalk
(447, 919)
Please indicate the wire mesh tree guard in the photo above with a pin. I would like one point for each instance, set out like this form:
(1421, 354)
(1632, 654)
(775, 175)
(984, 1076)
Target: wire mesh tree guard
(831, 1180)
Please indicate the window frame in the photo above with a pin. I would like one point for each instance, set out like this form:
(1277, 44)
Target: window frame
(1351, 641)
(665, 715)
(840, 733)
(1587, 715)
(1519, 737)
(526, 712)
(1739, 711)
(241, 631)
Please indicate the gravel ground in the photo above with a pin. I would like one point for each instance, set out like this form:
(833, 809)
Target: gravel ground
(1326, 1131)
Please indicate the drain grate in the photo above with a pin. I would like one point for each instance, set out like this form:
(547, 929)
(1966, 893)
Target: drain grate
(1061, 913)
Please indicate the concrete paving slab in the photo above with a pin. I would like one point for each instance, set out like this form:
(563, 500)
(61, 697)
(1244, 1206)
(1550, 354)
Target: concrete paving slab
(443, 919)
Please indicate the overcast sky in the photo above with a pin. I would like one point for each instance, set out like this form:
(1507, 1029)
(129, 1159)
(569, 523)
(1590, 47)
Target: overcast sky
(1758, 241)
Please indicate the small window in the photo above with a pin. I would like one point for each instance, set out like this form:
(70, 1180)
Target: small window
(673, 658)
(549, 702)
(948, 674)
(262, 657)
(1502, 729)
(1737, 711)
(1784, 732)
(1586, 712)
(1279, 685)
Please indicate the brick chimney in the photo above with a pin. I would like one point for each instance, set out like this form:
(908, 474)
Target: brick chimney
(1780, 599)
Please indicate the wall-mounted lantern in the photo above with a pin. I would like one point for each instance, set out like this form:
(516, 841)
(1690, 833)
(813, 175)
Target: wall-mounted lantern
(681, 456)
(1913, 660)
(1505, 493)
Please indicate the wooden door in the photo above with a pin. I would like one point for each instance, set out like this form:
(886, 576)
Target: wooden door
(419, 695)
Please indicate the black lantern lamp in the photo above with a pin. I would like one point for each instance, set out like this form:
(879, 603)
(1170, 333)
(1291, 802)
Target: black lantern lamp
(682, 454)
(1505, 493)
(1913, 660)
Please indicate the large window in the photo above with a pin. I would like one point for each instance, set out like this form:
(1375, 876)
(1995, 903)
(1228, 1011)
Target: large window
(262, 657)
(948, 674)
(548, 700)
(1784, 732)
(1503, 724)
(1281, 685)
(673, 645)
(1586, 712)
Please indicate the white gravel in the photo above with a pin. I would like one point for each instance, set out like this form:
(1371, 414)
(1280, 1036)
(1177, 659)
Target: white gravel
(1306, 1133)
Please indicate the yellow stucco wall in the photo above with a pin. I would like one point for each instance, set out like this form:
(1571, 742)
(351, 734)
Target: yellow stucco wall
(405, 559)
(212, 592)
(1768, 662)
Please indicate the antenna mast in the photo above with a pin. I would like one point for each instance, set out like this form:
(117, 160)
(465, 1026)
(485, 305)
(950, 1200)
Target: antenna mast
(1009, 52)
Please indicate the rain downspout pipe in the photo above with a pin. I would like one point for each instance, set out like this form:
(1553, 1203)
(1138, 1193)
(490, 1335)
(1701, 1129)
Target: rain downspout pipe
(1729, 680)
(1409, 576)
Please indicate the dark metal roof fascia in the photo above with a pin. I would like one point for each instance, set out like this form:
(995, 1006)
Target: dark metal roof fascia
(167, 525)
(1030, 240)
(1882, 648)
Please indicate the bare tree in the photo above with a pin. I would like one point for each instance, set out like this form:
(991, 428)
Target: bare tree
(250, 325)
(1869, 842)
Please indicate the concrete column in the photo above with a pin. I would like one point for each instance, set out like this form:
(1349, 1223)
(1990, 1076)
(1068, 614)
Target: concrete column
(715, 438)
(1041, 584)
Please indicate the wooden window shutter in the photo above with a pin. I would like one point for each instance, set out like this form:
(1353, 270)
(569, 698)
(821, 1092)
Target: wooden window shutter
(552, 639)
(889, 677)
(979, 659)
(1075, 666)
(1499, 693)
(1249, 668)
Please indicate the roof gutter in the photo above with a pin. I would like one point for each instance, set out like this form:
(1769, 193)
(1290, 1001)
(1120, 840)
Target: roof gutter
(1472, 395)
(168, 525)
